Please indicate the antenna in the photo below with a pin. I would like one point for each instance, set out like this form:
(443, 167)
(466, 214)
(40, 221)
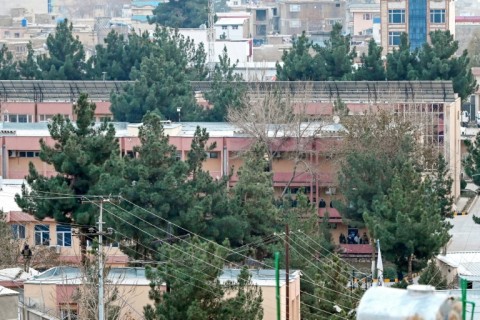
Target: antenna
(211, 36)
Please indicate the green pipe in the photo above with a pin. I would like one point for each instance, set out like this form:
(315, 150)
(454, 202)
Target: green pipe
(277, 282)
(463, 286)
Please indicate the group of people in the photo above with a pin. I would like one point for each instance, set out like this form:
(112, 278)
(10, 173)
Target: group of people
(354, 238)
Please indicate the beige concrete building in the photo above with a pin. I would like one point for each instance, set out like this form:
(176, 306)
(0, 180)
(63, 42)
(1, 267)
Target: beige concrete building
(415, 17)
(8, 304)
(311, 16)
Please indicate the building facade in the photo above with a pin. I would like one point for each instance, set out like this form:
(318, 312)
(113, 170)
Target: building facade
(417, 18)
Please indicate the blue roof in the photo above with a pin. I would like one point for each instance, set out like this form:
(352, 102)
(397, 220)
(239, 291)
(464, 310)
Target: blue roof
(139, 18)
(145, 3)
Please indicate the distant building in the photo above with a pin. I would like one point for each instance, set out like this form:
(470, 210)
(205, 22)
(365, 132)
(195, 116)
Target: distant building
(361, 18)
(311, 16)
(415, 17)
(232, 28)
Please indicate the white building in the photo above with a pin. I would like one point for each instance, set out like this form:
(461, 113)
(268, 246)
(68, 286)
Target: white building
(232, 29)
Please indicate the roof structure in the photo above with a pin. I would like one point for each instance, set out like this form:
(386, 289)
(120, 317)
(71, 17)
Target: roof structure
(260, 277)
(320, 91)
(466, 262)
(7, 292)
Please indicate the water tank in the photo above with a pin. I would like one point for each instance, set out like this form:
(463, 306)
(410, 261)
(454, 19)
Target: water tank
(417, 302)
(24, 22)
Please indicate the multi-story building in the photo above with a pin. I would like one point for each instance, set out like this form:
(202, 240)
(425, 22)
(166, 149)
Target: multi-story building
(415, 17)
(311, 16)
(432, 104)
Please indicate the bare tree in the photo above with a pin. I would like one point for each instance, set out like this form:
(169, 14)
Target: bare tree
(283, 123)
(9, 246)
(116, 294)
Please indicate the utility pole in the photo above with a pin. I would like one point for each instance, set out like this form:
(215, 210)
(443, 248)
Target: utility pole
(101, 263)
(287, 273)
(211, 37)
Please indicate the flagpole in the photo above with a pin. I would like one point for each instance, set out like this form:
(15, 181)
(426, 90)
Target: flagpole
(379, 265)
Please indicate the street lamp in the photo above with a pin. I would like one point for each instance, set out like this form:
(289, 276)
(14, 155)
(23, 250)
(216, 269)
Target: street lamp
(178, 110)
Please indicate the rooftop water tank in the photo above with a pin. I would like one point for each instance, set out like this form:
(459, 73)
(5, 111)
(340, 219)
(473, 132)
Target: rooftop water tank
(417, 302)
(24, 22)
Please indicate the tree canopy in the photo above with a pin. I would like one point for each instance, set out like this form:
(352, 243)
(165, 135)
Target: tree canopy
(181, 14)
(78, 155)
(163, 81)
(66, 56)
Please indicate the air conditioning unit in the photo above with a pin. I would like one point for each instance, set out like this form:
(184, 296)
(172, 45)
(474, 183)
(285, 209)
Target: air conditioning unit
(12, 153)
(55, 248)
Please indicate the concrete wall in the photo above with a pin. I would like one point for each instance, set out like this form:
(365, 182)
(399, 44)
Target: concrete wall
(9, 307)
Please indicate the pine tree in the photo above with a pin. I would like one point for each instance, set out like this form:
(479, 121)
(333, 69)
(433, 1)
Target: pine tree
(408, 220)
(371, 68)
(432, 275)
(8, 66)
(192, 273)
(402, 63)
(78, 156)
(180, 14)
(471, 162)
(29, 68)
(66, 56)
(163, 81)
(227, 89)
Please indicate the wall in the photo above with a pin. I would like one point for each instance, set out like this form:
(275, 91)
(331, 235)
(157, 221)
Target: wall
(9, 307)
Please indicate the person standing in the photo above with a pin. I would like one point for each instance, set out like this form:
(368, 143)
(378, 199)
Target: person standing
(27, 256)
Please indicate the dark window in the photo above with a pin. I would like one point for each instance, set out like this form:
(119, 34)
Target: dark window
(437, 16)
(18, 231)
(394, 38)
(64, 236)
(42, 234)
(396, 16)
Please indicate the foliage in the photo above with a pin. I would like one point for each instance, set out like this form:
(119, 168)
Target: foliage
(332, 299)
(371, 68)
(66, 56)
(442, 187)
(8, 66)
(9, 246)
(192, 272)
(476, 219)
(118, 55)
(433, 276)
(366, 171)
(181, 14)
(463, 184)
(402, 63)
(227, 89)
(254, 197)
(471, 162)
(439, 62)
(29, 68)
(306, 61)
(410, 201)
(163, 81)
(78, 156)
(300, 62)
(401, 284)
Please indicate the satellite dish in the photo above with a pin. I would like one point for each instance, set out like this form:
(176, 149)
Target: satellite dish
(336, 119)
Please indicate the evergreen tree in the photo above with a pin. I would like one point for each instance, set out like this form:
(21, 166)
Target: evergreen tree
(442, 187)
(402, 63)
(301, 62)
(432, 275)
(8, 67)
(163, 81)
(254, 197)
(181, 14)
(408, 220)
(227, 89)
(192, 273)
(66, 56)
(371, 68)
(118, 55)
(337, 56)
(29, 68)
(438, 62)
(78, 156)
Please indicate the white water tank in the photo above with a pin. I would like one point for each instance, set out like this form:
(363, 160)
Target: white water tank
(417, 302)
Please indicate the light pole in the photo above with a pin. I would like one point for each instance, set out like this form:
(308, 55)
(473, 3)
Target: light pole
(179, 110)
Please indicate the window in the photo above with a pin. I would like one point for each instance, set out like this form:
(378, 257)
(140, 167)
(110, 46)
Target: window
(437, 16)
(42, 234)
(212, 155)
(28, 154)
(17, 118)
(396, 16)
(48, 117)
(64, 236)
(394, 38)
(16, 34)
(6, 34)
(178, 155)
(235, 27)
(294, 8)
(106, 118)
(224, 27)
(367, 16)
(18, 231)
